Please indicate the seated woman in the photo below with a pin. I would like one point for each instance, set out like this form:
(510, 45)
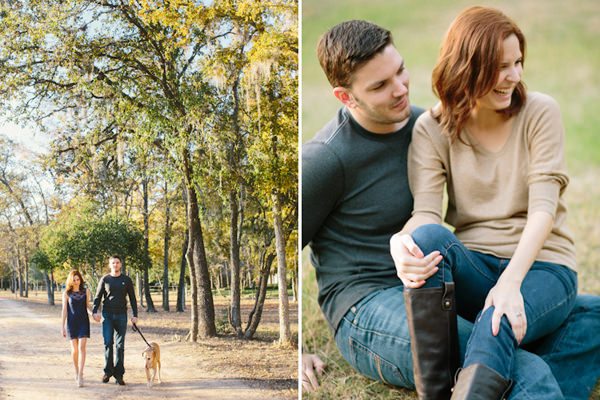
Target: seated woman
(511, 260)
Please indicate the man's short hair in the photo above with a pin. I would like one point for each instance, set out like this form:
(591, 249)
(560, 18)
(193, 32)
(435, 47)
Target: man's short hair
(115, 256)
(347, 46)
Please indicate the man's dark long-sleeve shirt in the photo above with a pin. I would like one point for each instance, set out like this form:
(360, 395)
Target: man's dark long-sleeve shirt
(355, 196)
(114, 289)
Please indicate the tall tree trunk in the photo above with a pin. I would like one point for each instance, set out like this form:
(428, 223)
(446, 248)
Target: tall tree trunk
(261, 293)
(146, 216)
(140, 287)
(193, 334)
(294, 282)
(20, 270)
(204, 324)
(285, 336)
(234, 257)
(165, 297)
(181, 286)
(206, 308)
(26, 266)
(49, 288)
(20, 283)
(52, 282)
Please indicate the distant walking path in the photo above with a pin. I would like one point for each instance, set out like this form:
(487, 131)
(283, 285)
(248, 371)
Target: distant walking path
(35, 364)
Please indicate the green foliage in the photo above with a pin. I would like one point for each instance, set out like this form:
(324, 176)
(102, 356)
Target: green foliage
(129, 89)
(558, 58)
(83, 239)
(41, 260)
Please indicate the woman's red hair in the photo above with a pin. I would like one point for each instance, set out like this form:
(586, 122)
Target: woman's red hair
(469, 64)
(69, 284)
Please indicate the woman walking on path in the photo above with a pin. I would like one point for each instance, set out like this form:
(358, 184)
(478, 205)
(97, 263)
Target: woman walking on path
(75, 309)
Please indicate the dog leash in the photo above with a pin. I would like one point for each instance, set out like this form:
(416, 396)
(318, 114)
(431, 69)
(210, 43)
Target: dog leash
(136, 329)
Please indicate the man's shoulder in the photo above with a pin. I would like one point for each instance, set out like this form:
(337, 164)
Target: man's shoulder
(332, 129)
(123, 277)
(415, 111)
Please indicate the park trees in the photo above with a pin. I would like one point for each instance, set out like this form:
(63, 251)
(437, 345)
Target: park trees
(109, 78)
(24, 210)
(273, 154)
(83, 237)
(255, 159)
(133, 81)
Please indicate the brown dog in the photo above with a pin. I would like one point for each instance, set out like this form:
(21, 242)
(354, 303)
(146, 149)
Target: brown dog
(152, 357)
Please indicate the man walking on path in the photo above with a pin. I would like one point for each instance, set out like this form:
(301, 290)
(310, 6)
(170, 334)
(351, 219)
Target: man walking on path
(114, 287)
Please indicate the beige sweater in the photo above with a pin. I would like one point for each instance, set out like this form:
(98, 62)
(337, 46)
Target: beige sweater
(490, 193)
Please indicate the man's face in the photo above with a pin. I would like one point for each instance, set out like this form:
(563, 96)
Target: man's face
(115, 264)
(378, 95)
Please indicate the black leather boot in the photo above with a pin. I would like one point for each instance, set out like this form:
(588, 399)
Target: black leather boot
(480, 382)
(431, 315)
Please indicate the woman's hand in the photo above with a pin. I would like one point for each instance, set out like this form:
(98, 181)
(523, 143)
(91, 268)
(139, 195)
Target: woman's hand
(311, 363)
(64, 332)
(506, 297)
(412, 266)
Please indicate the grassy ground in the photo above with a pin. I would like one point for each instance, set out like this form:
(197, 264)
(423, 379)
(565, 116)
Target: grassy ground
(559, 61)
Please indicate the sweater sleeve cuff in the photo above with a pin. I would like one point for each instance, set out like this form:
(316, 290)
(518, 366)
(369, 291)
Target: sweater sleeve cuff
(429, 204)
(543, 196)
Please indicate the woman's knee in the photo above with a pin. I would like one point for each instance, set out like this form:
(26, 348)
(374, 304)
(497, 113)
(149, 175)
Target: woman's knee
(432, 237)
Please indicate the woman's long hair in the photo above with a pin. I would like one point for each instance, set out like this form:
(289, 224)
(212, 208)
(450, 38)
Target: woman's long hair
(69, 284)
(469, 65)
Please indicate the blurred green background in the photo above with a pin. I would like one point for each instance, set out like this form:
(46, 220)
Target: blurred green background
(562, 56)
(562, 60)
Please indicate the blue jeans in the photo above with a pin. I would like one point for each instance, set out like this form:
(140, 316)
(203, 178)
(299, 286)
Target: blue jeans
(114, 325)
(548, 290)
(571, 351)
(373, 338)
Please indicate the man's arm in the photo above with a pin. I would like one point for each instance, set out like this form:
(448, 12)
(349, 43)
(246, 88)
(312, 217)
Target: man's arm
(322, 186)
(132, 300)
(100, 292)
(427, 176)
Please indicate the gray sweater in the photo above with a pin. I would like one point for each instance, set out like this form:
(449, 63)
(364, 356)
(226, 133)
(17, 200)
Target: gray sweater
(355, 196)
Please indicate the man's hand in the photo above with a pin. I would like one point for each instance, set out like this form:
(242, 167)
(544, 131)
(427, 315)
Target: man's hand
(134, 320)
(310, 364)
(96, 317)
(412, 266)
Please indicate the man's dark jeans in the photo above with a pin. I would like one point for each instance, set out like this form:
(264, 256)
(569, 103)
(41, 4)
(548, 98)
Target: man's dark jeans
(114, 325)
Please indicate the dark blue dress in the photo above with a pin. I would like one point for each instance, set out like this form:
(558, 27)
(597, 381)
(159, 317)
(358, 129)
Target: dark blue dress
(78, 322)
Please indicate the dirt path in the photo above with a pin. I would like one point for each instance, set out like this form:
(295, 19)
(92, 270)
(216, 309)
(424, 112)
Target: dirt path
(35, 364)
